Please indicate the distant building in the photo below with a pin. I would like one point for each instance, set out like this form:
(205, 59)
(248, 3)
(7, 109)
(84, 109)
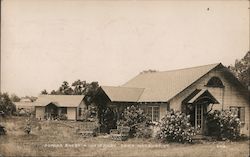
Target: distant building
(53, 106)
(25, 105)
(193, 91)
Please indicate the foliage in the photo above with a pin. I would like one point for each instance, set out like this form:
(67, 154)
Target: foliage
(65, 89)
(6, 105)
(27, 128)
(32, 98)
(90, 91)
(108, 120)
(14, 98)
(62, 117)
(2, 130)
(89, 114)
(44, 92)
(143, 130)
(241, 69)
(78, 87)
(223, 124)
(175, 127)
(53, 92)
(137, 120)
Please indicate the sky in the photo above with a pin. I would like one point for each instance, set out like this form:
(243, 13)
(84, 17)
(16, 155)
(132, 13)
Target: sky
(44, 42)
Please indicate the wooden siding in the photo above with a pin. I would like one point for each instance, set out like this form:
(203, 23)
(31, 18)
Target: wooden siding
(228, 96)
(71, 113)
(40, 110)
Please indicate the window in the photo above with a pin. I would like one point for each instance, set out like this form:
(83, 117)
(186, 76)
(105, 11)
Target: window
(153, 112)
(215, 82)
(240, 112)
(63, 110)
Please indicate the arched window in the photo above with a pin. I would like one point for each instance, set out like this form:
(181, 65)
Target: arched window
(215, 82)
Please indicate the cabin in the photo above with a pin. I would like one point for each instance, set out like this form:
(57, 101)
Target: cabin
(194, 91)
(25, 105)
(51, 107)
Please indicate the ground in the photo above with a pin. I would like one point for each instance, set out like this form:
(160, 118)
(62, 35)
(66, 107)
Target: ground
(59, 139)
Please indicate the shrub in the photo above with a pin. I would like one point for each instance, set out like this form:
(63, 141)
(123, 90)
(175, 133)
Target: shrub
(62, 117)
(136, 119)
(223, 125)
(107, 120)
(2, 130)
(175, 127)
(27, 128)
(143, 130)
(7, 107)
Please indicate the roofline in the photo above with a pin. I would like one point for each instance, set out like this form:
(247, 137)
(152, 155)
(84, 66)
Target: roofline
(188, 68)
(101, 87)
(169, 71)
(123, 87)
(219, 64)
(59, 95)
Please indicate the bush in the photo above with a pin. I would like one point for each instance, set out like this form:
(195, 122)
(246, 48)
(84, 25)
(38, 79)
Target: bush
(7, 107)
(62, 117)
(2, 130)
(175, 127)
(223, 125)
(107, 120)
(143, 130)
(27, 128)
(136, 119)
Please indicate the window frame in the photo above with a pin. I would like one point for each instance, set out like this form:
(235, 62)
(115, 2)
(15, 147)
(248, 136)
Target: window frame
(218, 84)
(239, 113)
(152, 114)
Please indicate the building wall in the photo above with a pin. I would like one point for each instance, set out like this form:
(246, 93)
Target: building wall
(80, 107)
(40, 112)
(71, 113)
(228, 96)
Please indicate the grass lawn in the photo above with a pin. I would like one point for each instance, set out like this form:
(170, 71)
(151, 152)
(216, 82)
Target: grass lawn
(55, 139)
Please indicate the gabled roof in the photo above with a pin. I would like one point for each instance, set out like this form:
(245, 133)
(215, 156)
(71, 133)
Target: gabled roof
(25, 100)
(24, 104)
(59, 100)
(122, 94)
(202, 93)
(157, 86)
(162, 86)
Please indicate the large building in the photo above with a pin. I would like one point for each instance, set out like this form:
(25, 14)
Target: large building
(194, 91)
(54, 106)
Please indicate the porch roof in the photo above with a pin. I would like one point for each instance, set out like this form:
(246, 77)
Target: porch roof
(59, 100)
(202, 93)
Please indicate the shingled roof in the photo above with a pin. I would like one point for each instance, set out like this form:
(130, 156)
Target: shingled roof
(59, 100)
(158, 86)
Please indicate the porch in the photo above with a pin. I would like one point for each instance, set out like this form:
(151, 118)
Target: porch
(198, 104)
(53, 112)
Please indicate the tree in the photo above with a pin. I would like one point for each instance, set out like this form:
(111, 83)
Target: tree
(53, 92)
(78, 87)
(14, 98)
(32, 98)
(241, 69)
(44, 92)
(90, 91)
(65, 89)
(6, 105)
